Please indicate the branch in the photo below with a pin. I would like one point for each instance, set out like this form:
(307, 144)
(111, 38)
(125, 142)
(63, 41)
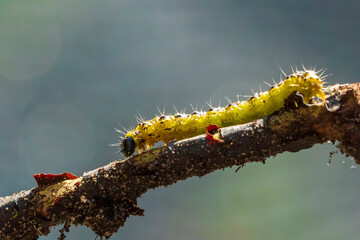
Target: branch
(104, 198)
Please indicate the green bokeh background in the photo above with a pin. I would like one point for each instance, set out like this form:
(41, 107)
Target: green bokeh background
(71, 71)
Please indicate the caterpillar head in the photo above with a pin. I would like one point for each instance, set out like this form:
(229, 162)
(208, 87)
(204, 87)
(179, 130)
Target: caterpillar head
(127, 146)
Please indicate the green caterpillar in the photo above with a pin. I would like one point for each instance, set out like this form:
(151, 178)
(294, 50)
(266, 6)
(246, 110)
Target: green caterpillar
(167, 128)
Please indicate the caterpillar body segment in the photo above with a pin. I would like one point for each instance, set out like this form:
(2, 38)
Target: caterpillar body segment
(167, 128)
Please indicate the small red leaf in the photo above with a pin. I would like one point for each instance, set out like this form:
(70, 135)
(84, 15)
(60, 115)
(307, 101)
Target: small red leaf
(212, 128)
(43, 179)
(213, 134)
(209, 137)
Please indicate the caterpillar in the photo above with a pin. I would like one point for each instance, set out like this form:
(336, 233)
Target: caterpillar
(167, 128)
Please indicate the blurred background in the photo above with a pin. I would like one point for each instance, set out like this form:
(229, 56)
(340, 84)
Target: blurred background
(72, 71)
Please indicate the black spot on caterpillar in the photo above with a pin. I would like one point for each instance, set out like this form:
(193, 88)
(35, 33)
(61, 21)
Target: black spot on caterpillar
(180, 126)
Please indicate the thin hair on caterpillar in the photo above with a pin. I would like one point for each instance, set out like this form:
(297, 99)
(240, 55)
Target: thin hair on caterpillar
(168, 128)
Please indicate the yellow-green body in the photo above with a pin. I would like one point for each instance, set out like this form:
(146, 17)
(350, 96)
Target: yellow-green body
(181, 126)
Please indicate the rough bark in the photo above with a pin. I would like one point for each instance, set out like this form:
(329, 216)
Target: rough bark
(104, 198)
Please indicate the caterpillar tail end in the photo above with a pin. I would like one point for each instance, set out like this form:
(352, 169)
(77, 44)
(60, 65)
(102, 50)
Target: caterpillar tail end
(127, 146)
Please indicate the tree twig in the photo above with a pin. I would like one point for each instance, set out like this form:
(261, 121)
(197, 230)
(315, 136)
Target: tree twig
(104, 198)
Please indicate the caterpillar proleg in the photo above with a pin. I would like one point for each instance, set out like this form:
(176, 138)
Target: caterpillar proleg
(167, 128)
